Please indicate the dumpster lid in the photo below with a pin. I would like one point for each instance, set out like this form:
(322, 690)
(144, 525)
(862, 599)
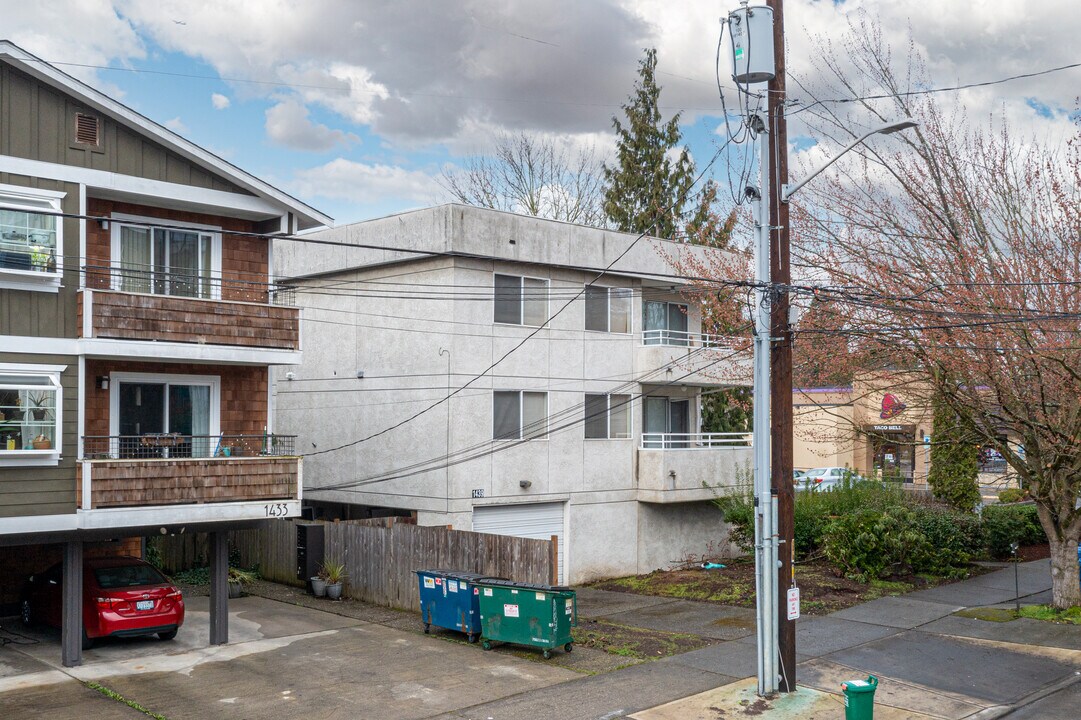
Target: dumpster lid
(457, 575)
(525, 586)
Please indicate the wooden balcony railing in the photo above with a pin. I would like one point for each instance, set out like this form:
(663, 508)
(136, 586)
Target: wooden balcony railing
(171, 469)
(187, 309)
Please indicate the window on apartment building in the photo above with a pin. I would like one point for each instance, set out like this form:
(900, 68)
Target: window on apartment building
(608, 416)
(158, 416)
(31, 247)
(166, 261)
(30, 410)
(521, 300)
(518, 415)
(664, 323)
(608, 309)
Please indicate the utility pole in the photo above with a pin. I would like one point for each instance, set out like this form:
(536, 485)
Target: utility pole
(781, 354)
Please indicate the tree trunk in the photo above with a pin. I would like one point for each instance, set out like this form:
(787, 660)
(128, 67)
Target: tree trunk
(1065, 580)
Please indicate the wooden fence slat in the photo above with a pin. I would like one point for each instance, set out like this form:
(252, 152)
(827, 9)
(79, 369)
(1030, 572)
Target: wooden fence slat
(380, 555)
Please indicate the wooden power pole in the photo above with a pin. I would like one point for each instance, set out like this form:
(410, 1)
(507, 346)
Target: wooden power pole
(781, 353)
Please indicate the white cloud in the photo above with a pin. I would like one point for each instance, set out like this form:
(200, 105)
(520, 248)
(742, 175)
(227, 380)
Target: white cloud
(367, 185)
(287, 124)
(87, 32)
(219, 101)
(176, 125)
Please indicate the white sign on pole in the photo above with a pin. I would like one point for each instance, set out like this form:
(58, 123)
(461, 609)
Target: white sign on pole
(793, 603)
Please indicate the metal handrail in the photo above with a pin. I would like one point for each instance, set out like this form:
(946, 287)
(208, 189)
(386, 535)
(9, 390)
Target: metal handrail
(187, 285)
(151, 446)
(682, 338)
(694, 441)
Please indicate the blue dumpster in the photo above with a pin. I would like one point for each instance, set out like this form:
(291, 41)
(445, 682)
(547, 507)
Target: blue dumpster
(449, 599)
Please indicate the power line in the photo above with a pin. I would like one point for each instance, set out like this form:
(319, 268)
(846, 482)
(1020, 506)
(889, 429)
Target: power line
(528, 337)
(931, 91)
(345, 89)
(446, 461)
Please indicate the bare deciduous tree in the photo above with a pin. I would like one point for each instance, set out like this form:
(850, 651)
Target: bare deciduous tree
(951, 253)
(532, 175)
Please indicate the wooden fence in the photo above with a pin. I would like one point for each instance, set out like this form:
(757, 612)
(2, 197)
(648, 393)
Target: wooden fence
(381, 556)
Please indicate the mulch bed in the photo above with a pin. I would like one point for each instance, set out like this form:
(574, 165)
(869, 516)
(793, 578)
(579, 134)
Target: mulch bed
(822, 589)
(1034, 552)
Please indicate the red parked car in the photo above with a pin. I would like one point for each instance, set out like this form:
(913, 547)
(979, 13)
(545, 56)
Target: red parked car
(122, 597)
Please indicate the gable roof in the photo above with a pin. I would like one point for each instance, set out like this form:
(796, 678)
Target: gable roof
(307, 216)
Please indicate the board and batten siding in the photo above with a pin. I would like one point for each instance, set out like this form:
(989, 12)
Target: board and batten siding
(37, 123)
(45, 314)
(28, 491)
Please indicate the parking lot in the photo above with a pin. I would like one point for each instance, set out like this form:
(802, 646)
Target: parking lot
(281, 660)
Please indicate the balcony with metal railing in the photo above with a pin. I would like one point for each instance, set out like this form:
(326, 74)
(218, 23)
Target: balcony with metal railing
(126, 471)
(684, 352)
(202, 308)
(686, 467)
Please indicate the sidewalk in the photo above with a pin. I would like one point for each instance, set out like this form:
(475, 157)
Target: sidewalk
(931, 664)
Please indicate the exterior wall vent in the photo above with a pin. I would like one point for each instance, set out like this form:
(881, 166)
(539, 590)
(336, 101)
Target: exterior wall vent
(87, 129)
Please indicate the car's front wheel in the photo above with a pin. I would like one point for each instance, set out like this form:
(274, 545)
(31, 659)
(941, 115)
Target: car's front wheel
(27, 614)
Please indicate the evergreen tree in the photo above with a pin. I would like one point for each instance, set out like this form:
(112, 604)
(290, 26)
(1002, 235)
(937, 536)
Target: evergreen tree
(728, 410)
(954, 460)
(646, 189)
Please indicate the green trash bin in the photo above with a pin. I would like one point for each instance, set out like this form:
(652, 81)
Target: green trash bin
(523, 614)
(860, 698)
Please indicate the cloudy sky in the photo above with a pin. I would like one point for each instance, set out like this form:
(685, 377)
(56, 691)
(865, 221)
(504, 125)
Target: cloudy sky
(357, 105)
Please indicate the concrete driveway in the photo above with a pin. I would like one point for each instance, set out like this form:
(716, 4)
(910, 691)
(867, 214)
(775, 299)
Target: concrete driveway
(282, 660)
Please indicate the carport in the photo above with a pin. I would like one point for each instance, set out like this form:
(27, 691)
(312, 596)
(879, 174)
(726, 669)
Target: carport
(73, 543)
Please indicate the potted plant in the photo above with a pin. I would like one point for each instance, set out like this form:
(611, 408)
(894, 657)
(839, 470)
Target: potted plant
(39, 409)
(335, 575)
(319, 585)
(42, 443)
(238, 580)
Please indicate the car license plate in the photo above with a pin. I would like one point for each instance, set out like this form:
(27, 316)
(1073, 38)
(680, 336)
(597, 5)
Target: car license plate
(144, 605)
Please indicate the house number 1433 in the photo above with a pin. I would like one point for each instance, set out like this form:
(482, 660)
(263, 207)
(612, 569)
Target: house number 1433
(276, 509)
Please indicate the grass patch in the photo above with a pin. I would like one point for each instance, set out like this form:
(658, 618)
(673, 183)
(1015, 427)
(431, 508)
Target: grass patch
(1045, 613)
(631, 642)
(1070, 616)
(114, 695)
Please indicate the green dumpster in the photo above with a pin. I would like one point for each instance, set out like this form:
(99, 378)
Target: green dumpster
(524, 614)
(860, 698)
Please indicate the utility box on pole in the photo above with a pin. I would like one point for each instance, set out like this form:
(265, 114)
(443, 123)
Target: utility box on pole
(751, 29)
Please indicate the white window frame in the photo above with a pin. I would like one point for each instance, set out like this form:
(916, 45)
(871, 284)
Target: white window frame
(119, 220)
(608, 416)
(666, 332)
(31, 458)
(521, 416)
(25, 199)
(608, 315)
(521, 299)
(213, 381)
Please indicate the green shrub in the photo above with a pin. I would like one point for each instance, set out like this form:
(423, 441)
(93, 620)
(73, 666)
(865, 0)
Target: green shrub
(1007, 524)
(1011, 495)
(869, 531)
(873, 544)
(738, 510)
(960, 534)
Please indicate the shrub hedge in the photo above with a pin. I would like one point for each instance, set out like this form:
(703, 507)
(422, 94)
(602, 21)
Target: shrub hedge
(1011, 523)
(870, 531)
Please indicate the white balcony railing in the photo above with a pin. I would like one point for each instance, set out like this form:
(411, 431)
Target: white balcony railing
(694, 441)
(681, 338)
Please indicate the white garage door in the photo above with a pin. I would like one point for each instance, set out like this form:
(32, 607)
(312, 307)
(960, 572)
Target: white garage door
(539, 521)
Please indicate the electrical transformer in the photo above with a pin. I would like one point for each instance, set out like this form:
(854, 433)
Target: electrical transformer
(751, 29)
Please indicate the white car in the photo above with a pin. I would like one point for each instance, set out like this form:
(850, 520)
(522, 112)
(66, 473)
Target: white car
(826, 478)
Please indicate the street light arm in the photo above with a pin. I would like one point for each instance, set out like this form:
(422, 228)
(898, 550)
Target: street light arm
(789, 190)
